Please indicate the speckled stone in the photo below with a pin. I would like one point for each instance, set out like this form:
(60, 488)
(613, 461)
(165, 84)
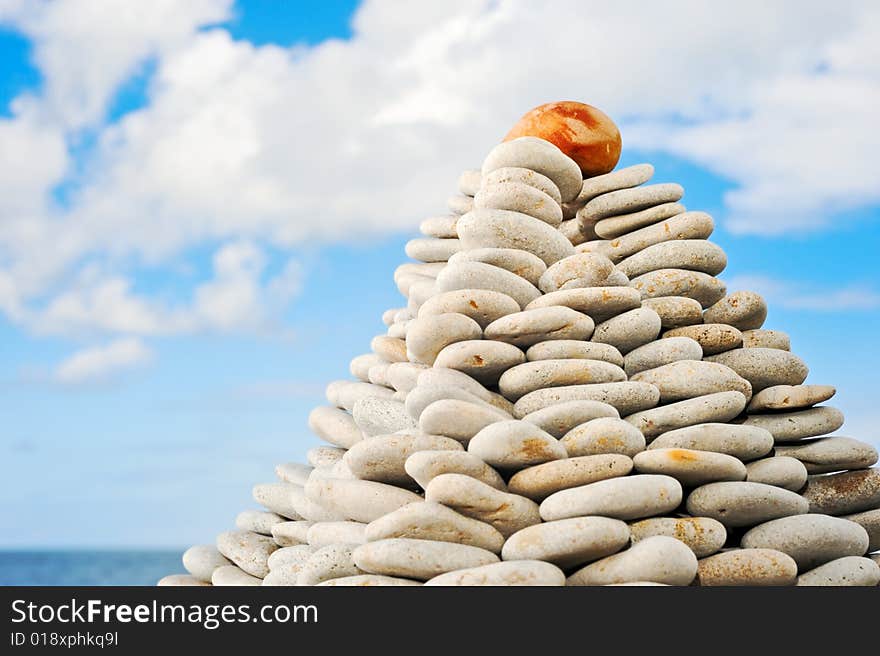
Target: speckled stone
(460, 204)
(764, 367)
(687, 379)
(690, 468)
(831, 454)
(761, 338)
(712, 337)
(289, 534)
(790, 397)
(381, 416)
(661, 352)
(717, 407)
(518, 572)
(442, 376)
(530, 376)
(625, 178)
(335, 426)
(521, 263)
(688, 225)
(540, 481)
(344, 393)
(460, 420)
(428, 335)
(290, 501)
(515, 445)
(481, 305)
(368, 581)
(743, 310)
(703, 535)
(752, 567)
(402, 376)
(629, 330)
(584, 269)
(675, 311)
(844, 493)
(392, 349)
(627, 201)
(626, 497)
(870, 521)
(520, 175)
(247, 550)
(571, 349)
(230, 575)
(426, 393)
(440, 227)
(780, 470)
(791, 426)
(689, 254)
(362, 501)
(529, 327)
(382, 458)
(423, 466)
(739, 503)
(418, 559)
(603, 435)
(657, 559)
(431, 249)
(489, 228)
(201, 561)
(257, 521)
(360, 365)
(540, 156)
(518, 197)
(699, 286)
(849, 571)
(559, 419)
(568, 542)
(627, 397)
(600, 303)
(323, 456)
(615, 226)
(182, 580)
(482, 359)
(479, 275)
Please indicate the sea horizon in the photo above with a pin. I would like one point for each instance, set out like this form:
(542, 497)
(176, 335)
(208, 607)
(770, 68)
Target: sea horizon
(87, 566)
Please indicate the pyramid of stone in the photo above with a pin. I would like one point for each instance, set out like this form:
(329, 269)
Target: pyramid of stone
(569, 397)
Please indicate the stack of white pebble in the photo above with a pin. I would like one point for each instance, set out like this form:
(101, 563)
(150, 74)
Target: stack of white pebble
(569, 397)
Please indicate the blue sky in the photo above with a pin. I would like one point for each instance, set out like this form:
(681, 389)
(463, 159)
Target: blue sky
(304, 146)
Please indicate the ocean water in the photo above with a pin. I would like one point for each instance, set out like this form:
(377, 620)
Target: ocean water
(87, 567)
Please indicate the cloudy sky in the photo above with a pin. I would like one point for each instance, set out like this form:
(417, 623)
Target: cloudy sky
(202, 203)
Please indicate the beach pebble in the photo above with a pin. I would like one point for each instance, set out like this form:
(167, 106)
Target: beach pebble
(518, 197)
(440, 227)
(428, 335)
(369, 581)
(599, 303)
(764, 367)
(289, 501)
(629, 330)
(659, 353)
(657, 559)
(344, 393)
(403, 376)
(760, 338)
(230, 575)
(699, 286)
(522, 263)
(508, 513)
(247, 550)
(627, 397)
(423, 466)
(675, 311)
(870, 521)
(380, 416)
(360, 365)
(630, 176)
(335, 426)
(518, 572)
(430, 249)
(691, 468)
(689, 254)
(432, 521)
(519, 175)
(627, 201)
(616, 226)
(849, 571)
(424, 394)
(790, 397)
(844, 493)
(515, 444)
(460, 204)
(779, 470)
(481, 305)
(441, 376)
(541, 374)
(322, 534)
(181, 580)
(627, 497)
(568, 542)
(831, 454)
(468, 276)
(752, 567)
(324, 456)
(459, 420)
(293, 472)
(361, 501)
(487, 228)
(717, 407)
(201, 561)
(586, 269)
(712, 337)
(743, 310)
(743, 442)
(572, 349)
(740, 503)
(604, 435)
(790, 426)
(257, 521)
(687, 379)
(688, 225)
(289, 534)
(540, 156)
(418, 559)
(482, 359)
(810, 539)
(539, 325)
(703, 535)
(540, 481)
(286, 564)
(382, 458)
(559, 419)
(469, 182)
(331, 562)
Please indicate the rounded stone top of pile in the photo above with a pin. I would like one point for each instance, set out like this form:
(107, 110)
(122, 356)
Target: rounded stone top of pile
(586, 134)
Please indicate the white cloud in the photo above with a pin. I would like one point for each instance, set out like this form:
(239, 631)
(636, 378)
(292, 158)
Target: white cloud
(798, 296)
(101, 363)
(288, 146)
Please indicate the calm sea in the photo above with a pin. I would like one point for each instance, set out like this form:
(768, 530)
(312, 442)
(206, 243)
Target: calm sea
(87, 567)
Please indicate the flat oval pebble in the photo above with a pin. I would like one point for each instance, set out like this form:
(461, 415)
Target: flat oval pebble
(442, 376)
(831, 454)
(487, 228)
(703, 535)
(764, 367)
(517, 174)
(699, 286)
(345, 394)
(657, 559)
(201, 561)
(425, 394)
(289, 534)
(629, 330)
(460, 204)
(849, 571)
(626, 201)
(431, 249)
(717, 407)
(460, 420)
(481, 305)
(743, 310)
(599, 303)
(515, 444)
(571, 349)
(530, 376)
(335, 425)
(758, 567)
(376, 416)
(627, 397)
(615, 226)
(324, 456)
(790, 426)
(790, 397)
(361, 501)
(180, 580)
(426, 465)
(568, 542)
(559, 419)
(257, 521)
(432, 521)
(688, 225)
(630, 176)
(659, 353)
(322, 534)
(687, 379)
(870, 521)
(689, 254)
(428, 335)
(743, 442)
(779, 470)
(230, 575)
(540, 156)
(739, 503)
(810, 539)
(508, 513)
(247, 550)
(290, 501)
(286, 564)
(627, 497)
(331, 562)
(844, 493)
(519, 573)
(605, 435)
(360, 365)
(712, 337)
(418, 559)
(590, 269)
(440, 227)
(539, 325)
(760, 338)
(518, 197)
(403, 376)
(675, 311)
(522, 263)
(689, 467)
(469, 181)
(382, 458)
(540, 481)
(478, 275)
(482, 359)
(369, 581)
